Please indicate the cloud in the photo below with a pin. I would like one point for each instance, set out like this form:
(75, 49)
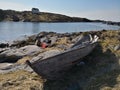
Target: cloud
(14, 6)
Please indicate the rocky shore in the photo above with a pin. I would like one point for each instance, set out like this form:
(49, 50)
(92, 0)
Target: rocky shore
(98, 71)
(112, 23)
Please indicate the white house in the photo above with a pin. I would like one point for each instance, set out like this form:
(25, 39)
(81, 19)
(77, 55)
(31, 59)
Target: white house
(35, 10)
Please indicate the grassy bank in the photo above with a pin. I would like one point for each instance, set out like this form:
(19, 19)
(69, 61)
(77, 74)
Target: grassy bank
(101, 70)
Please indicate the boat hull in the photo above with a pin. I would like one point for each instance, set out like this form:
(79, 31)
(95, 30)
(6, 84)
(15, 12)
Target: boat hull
(49, 66)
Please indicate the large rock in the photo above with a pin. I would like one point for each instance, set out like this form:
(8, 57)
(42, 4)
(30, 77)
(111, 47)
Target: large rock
(4, 45)
(5, 65)
(12, 55)
(10, 67)
(19, 42)
(30, 50)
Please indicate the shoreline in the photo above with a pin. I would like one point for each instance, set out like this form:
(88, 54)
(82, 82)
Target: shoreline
(100, 66)
(28, 16)
(103, 22)
(25, 36)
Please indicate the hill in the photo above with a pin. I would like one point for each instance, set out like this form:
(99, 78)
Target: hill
(28, 16)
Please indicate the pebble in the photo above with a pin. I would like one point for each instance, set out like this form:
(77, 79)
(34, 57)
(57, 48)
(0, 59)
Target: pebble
(117, 47)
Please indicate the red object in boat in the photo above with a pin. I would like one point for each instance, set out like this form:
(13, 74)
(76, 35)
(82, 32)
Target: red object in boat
(44, 45)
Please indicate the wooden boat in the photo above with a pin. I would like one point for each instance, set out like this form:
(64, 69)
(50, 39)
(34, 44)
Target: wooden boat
(50, 66)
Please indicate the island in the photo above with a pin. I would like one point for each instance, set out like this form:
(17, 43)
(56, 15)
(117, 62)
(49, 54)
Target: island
(35, 16)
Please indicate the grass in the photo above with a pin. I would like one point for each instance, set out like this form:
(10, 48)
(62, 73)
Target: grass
(23, 60)
(100, 72)
(107, 81)
(21, 80)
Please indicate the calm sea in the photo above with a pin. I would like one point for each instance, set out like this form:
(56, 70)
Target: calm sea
(13, 30)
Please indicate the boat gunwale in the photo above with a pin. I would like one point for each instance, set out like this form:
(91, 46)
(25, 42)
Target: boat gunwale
(72, 49)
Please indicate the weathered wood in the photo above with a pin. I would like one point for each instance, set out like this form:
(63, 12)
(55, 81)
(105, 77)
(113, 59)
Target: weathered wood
(49, 66)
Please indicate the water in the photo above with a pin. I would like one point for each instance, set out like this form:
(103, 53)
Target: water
(13, 30)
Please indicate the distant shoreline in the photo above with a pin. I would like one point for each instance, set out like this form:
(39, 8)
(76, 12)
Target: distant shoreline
(28, 16)
(12, 30)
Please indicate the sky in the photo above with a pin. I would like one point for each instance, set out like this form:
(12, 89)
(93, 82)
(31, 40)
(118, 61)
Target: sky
(92, 9)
